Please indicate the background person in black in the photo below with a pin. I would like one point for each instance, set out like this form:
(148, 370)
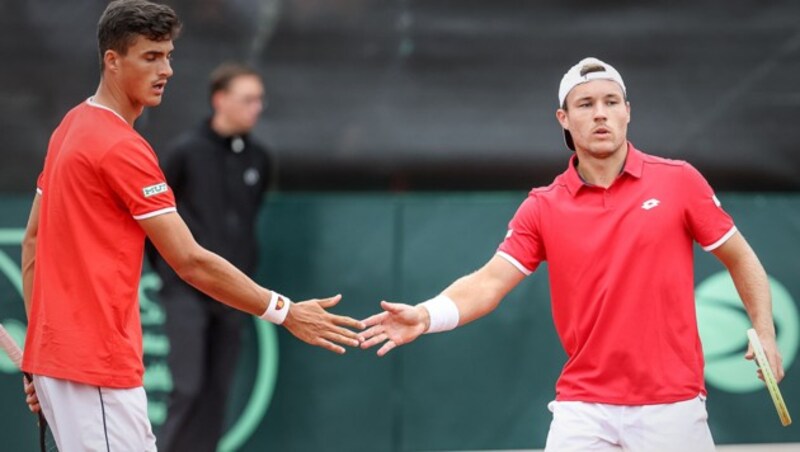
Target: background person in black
(219, 175)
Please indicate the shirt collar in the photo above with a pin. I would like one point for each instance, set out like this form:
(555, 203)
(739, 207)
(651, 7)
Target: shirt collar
(226, 142)
(633, 166)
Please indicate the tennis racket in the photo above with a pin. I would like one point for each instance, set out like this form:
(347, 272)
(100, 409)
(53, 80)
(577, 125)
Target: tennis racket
(7, 343)
(769, 378)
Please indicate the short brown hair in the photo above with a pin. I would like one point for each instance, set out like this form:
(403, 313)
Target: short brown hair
(124, 20)
(223, 75)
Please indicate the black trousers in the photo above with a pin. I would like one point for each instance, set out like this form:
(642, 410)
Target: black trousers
(205, 338)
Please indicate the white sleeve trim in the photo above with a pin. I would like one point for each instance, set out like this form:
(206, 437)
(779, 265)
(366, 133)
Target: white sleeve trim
(719, 242)
(39, 191)
(155, 213)
(515, 263)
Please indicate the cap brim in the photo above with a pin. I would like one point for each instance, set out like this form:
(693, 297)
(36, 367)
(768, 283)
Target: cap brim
(568, 140)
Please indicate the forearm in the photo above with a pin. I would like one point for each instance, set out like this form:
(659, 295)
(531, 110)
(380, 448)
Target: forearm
(752, 284)
(28, 261)
(479, 293)
(28, 258)
(219, 279)
(473, 296)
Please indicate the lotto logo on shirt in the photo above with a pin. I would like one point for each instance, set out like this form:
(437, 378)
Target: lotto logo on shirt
(155, 189)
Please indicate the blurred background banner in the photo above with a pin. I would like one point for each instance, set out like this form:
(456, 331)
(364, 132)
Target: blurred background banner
(481, 387)
(437, 94)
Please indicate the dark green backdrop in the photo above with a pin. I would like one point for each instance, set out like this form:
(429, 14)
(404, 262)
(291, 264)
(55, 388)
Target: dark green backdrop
(483, 386)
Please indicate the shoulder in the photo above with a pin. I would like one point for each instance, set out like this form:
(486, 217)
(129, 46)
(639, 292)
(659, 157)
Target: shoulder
(653, 161)
(556, 188)
(188, 139)
(129, 147)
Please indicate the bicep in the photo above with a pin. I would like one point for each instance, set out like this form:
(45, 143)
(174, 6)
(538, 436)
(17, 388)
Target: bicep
(732, 250)
(171, 237)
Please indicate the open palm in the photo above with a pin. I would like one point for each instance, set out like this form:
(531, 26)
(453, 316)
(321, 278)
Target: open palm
(398, 324)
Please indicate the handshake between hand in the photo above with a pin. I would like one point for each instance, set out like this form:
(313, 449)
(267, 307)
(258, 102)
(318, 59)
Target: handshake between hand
(398, 324)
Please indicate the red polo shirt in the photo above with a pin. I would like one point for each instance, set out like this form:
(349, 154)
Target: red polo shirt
(100, 176)
(621, 272)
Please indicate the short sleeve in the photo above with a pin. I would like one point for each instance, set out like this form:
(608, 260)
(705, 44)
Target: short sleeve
(41, 181)
(131, 170)
(523, 246)
(708, 223)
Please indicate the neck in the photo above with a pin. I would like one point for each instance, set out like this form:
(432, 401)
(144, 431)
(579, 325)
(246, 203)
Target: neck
(601, 171)
(223, 127)
(108, 95)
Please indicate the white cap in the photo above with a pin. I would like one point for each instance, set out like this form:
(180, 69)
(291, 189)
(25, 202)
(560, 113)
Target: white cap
(573, 77)
(577, 75)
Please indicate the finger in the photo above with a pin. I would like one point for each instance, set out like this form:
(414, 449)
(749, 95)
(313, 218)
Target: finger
(365, 335)
(330, 302)
(375, 319)
(777, 371)
(348, 322)
(328, 345)
(387, 347)
(374, 341)
(750, 354)
(392, 307)
(341, 339)
(352, 335)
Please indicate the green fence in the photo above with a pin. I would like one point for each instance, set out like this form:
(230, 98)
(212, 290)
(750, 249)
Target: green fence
(483, 386)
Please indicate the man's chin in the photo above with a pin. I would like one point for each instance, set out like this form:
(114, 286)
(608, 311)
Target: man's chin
(153, 101)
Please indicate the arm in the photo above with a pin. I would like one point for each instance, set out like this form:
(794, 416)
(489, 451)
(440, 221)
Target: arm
(217, 278)
(751, 282)
(28, 261)
(29, 253)
(474, 295)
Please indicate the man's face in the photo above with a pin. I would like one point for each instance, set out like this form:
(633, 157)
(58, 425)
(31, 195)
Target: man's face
(240, 104)
(597, 117)
(144, 70)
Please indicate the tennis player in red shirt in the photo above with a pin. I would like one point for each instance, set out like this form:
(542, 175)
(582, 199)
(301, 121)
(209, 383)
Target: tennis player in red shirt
(617, 230)
(101, 192)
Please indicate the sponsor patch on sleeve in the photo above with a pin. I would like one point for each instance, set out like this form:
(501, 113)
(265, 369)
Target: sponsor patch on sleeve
(156, 189)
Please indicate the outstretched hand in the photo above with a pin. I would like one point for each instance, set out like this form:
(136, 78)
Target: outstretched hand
(310, 322)
(398, 324)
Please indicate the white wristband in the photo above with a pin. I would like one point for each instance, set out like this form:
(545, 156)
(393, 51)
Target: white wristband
(443, 313)
(277, 309)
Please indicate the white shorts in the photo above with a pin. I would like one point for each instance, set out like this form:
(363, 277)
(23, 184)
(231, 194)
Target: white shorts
(90, 418)
(581, 426)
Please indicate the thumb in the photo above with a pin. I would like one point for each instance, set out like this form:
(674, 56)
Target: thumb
(394, 308)
(330, 302)
(750, 354)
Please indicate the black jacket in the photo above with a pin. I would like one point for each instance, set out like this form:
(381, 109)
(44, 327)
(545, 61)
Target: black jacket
(219, 184)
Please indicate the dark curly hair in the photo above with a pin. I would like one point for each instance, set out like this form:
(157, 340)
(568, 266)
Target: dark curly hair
(124, 20)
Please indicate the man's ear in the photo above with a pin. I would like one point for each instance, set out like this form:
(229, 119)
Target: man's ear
(561, 115)
(217, 99)
(111, 60)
